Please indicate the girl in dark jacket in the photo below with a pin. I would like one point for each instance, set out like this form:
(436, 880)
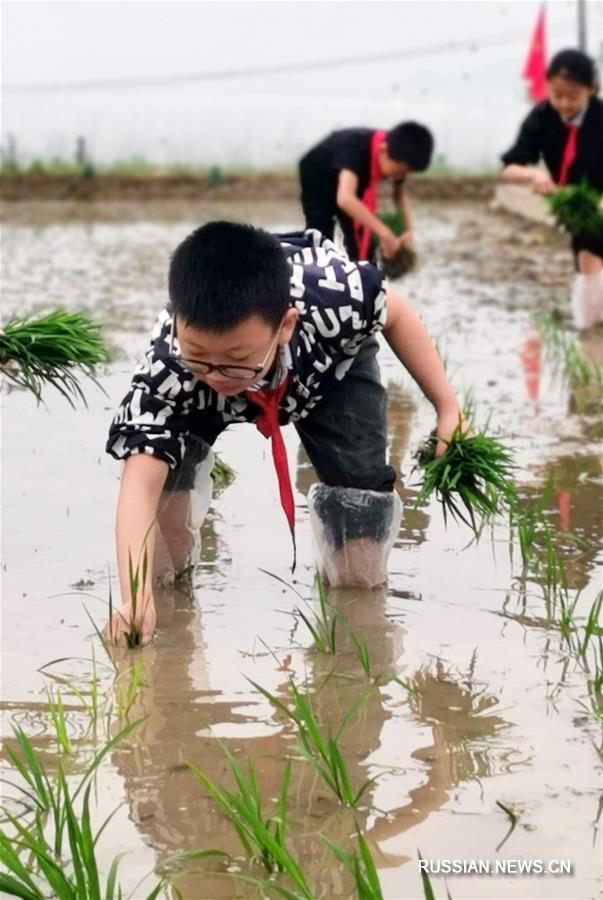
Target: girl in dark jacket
(566, 132)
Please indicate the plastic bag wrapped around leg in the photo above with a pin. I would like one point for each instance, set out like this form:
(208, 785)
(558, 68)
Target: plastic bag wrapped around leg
(182, 510)
(353, 533)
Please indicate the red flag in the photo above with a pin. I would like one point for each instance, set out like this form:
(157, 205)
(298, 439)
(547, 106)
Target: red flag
(535, 68)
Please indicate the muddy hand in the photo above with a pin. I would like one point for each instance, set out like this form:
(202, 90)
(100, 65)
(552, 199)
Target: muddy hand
(126, 629)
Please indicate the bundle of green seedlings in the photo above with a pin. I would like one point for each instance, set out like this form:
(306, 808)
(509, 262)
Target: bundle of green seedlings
(577, 208)
(405, 259)
(52, 350)
(472, 480)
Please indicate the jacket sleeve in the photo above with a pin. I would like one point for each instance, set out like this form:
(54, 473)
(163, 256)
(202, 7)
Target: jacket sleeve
(527, 148)
(153, 416)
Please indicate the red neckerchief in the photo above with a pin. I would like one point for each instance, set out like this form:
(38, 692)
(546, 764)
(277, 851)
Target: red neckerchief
(569, 154)
(369, 198)
(268, 424)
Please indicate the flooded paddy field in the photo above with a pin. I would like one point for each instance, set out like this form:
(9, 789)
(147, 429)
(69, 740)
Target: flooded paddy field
(487, 746)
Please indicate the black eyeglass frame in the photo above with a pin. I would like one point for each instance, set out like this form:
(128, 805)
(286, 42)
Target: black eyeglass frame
(229, 371)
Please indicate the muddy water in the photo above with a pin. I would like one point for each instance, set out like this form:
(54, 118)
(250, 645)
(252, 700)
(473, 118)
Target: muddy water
(498, 713)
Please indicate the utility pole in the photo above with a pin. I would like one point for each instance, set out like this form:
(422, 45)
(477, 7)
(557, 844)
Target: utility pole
(582, 43)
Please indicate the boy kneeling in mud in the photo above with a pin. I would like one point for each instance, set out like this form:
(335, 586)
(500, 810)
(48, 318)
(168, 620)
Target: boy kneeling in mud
(269, 329)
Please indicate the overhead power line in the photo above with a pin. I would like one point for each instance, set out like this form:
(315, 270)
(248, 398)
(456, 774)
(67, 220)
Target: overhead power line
(151, 81)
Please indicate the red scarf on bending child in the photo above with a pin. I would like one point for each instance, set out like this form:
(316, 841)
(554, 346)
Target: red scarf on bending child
(268, 424)
(369, 198)
(569, 154)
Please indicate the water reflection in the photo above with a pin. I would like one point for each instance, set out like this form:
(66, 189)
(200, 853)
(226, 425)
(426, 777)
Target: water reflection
(173, 812)
(462, 713)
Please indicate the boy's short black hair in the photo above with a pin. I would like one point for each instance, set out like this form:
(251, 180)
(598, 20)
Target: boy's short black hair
(225, 272)
(575, 66)
(411, 143)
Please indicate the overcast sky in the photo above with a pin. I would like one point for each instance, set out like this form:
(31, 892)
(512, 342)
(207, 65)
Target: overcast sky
(59, 43)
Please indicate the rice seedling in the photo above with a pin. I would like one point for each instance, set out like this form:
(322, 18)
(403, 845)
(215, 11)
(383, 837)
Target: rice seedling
(567, 622)
(428, 892)
(91, 701)
(127, 696)
(75, 874)
(324, 627)
(576, 208)
(363, 652)
(320, 750)
(263, 838)
(95, 702)
(530, 523)
(139, 579)
(555, 582)
(57, 714)
(473, 477)
(593, 630)
(541, 546)
(425, 881)
(513, 817)
(564, 353)
(59, 841)
(268, 887)
(52, 349)
(362, 866)
(376, 678)
(585, 640)
(469, 405)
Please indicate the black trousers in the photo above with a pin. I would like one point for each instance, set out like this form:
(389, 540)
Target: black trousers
(345, 435)
(591, 242)
(319, 203)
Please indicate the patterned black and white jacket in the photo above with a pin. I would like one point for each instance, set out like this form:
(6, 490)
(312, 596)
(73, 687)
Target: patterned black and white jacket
(340, 304)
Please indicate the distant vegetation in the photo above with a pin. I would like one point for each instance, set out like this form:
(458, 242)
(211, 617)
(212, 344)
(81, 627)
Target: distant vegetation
(14, 163)
(134, 167)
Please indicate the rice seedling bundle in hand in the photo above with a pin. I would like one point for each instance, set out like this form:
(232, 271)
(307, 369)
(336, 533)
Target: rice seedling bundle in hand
(405, 259)
(577, 208)
(52, 350)
(472, 480)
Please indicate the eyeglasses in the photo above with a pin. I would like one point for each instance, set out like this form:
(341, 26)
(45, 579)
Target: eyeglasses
(237, 373)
